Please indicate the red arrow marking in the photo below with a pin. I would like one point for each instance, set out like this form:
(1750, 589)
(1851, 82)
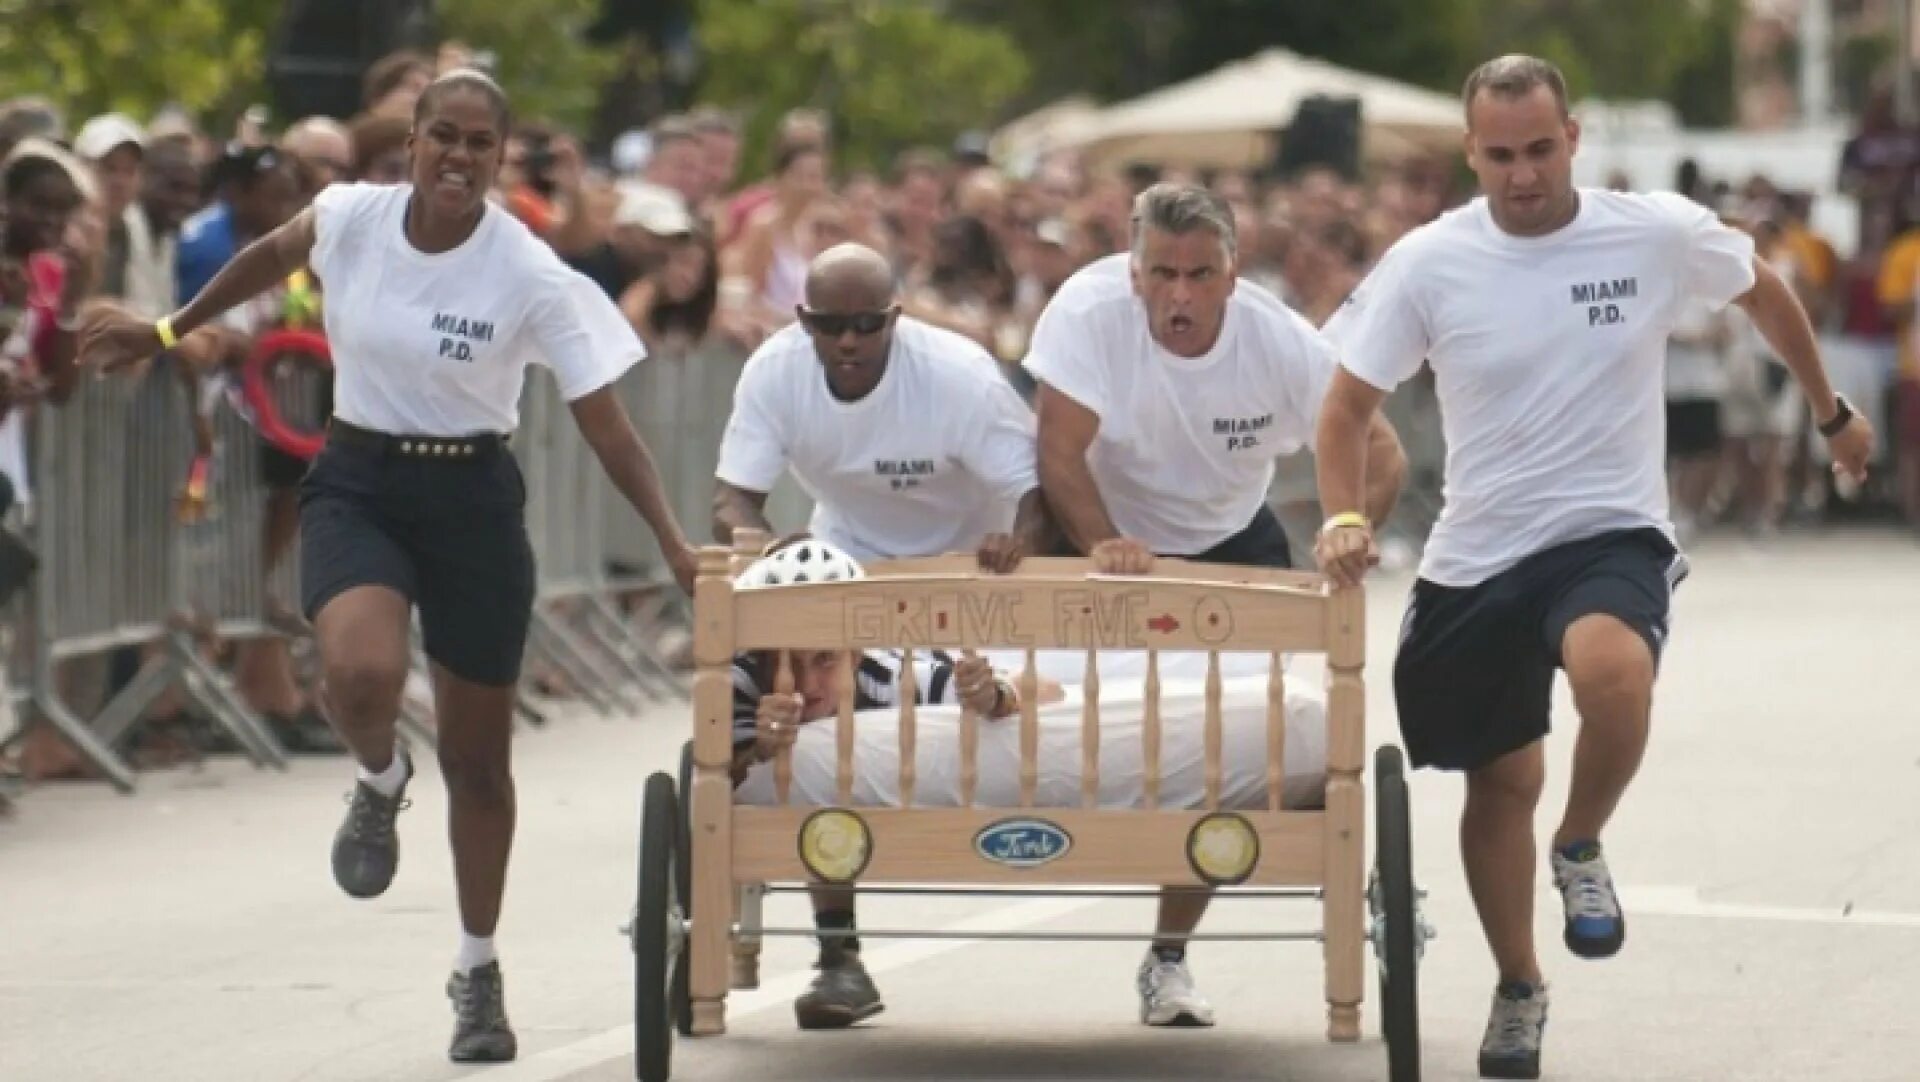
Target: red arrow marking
(1164, 623)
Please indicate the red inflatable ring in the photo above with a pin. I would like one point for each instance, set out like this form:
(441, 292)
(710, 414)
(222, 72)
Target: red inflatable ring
(307, 345)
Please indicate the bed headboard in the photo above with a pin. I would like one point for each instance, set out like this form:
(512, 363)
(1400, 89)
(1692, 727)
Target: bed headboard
(946, 602)
(1054, 611)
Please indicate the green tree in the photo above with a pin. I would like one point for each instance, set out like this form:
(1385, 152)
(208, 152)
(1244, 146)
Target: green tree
(889, 74)
(544, 62)
(1119, 48)
(1701, 90)
(1619, 49)
(90, 56)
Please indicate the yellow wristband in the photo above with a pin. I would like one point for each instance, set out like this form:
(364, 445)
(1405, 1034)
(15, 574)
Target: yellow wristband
(164, 328)
(1346, 518)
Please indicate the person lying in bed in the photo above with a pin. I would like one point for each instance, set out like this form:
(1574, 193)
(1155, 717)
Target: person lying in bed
(765, 722)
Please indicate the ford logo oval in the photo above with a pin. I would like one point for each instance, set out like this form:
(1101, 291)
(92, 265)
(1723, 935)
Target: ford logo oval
(1022, 843)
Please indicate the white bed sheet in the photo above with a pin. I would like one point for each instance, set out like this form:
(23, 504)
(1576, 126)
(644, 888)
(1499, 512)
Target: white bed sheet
(1122, 777)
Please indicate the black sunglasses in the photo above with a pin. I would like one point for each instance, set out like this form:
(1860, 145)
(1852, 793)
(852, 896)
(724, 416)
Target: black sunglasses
(835, 324)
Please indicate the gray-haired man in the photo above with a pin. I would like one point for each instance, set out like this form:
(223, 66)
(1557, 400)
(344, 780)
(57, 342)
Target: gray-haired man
(1167, 389)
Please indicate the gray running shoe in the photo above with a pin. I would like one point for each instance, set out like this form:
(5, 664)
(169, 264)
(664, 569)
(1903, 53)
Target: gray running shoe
(1595, 926)
(480, 1030)
(366, 851)
(1168, 996)
(841, 995)
(1511, 1048)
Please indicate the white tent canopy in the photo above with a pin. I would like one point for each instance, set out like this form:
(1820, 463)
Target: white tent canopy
(1229, 116)
(1063, 123)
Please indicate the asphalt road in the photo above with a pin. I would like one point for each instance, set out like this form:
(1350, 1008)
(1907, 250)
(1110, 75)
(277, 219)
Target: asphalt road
(1769, 857)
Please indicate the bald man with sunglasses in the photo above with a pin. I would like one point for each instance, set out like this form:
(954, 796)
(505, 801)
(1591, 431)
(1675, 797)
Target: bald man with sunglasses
(911, 443)
(908, 438)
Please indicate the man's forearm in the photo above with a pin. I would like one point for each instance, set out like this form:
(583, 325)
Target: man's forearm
(1031, 523)
(736, 509)
(1781, 320)
(1386, 470)
(1075, 500)
(1340, 460)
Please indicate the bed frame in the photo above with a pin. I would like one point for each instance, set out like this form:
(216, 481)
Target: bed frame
(1047, 604)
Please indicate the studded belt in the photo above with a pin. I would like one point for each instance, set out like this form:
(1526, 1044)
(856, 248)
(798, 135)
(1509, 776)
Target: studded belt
(440, 448)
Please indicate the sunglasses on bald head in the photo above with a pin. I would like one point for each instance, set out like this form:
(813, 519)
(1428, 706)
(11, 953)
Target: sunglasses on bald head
(835, 324)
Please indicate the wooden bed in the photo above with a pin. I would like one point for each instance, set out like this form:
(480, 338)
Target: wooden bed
(1048, 604)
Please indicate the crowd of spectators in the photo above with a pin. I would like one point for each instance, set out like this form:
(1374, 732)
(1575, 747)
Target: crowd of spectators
(704, 249)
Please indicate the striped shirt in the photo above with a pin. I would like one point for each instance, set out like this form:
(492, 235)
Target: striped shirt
(876, 685)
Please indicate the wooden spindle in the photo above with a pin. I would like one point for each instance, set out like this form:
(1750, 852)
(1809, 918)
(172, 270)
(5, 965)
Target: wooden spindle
(844, 771)
(969, 748)
(1090, 735)
(909, 733)
(1276, 733)
(1150, 733)
(1029, 731)
(1213, 730)
(714, 647)
(748, 544)
(1344, 911)
(783, 762)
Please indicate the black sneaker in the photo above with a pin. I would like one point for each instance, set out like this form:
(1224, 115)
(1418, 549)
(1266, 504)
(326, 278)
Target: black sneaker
(480, 1030)
(841, 995)
(366, 851)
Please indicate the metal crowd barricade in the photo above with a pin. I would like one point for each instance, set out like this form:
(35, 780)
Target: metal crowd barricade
(301, 396)
(576, 627)
(126, 563)
(109, 467)
(680, 402)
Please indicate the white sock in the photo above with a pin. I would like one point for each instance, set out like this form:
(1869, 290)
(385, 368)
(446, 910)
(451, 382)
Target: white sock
(388, 782)
(475, 951)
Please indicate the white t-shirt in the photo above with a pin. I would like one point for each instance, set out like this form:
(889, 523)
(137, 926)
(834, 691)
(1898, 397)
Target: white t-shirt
(437, 345)
(1548, 354)
(936, 457)
(1184, 456)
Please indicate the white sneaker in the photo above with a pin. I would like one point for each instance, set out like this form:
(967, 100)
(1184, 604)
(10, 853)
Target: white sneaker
(1168, 997)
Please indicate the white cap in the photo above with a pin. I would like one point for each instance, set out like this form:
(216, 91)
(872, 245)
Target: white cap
(660, 211)
(78, 173)
(104, 133)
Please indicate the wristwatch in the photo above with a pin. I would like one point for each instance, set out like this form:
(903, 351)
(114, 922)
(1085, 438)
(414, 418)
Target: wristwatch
(1843, 414)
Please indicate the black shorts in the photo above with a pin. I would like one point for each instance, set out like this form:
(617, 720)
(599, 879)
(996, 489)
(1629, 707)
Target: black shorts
(1263, 543)
(449, 535)
(1693, 427)
(1474, 675)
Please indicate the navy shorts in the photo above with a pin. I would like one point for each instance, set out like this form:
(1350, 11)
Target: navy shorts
(1474, 676)
(1263, 543)
(448, 535)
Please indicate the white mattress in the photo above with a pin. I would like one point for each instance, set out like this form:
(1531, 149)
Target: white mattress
(1122, 706)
